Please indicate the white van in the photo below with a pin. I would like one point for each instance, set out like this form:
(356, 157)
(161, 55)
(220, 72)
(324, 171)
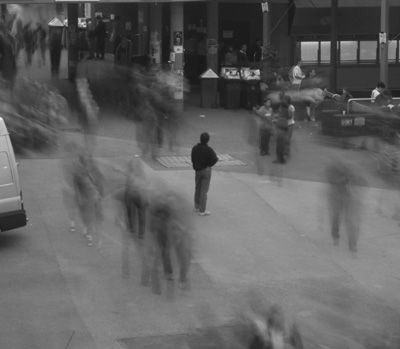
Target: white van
(12, 212)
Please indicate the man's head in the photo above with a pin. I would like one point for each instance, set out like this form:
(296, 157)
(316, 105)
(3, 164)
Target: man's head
(243, 47)
(380, 86)
(299, 62)
(204, 138)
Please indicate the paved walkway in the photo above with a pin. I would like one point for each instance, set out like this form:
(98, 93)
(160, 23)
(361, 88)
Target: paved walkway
(266, 233)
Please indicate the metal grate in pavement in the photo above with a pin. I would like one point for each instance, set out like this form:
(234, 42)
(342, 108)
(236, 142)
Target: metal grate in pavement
(185, 161)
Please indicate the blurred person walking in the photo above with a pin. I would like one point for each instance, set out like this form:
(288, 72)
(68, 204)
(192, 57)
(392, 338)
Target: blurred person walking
(29, 42)
(136, 198)
(8, 65)
(170, 232)
(88, 186)
(203, 159)
(101, 34)
(344, 202)
(282, 130)
(91, 38)
(55, 52)
(296, 75)
(41, 36)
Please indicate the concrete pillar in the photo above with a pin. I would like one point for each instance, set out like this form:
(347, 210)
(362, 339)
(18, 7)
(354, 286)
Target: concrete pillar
(72, 40)
(334, 34)
(155, 33)
(212, 35)
(177, 46)
(266, 33)
(383, 42)
(143, 28)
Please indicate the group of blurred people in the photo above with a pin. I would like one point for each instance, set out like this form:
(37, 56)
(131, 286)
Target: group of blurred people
(274, 119)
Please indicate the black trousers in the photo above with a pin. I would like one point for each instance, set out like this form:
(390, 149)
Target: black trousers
(265, 136)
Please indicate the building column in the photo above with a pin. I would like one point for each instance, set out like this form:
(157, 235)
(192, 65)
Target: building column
(383, 42)
(266, 33)
(143, 24)
(212, 35)
(177, 46)
(72, 10)
(334, 31)
(155, 32)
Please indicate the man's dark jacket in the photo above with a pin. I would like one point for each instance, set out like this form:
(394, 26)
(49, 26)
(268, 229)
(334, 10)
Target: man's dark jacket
(203, 156)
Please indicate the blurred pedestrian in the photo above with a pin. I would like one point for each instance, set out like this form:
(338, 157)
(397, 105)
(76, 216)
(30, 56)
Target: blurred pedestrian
(242, 58)
(296, 75)
(8, 65)
(41, 36)
(203, 159)
(91, 38)
(55, 51)
(101, 34)
(282, 130)
(170, 232)
(264, 114)
(344, 202)
(88, 186)
(288, 107)
(69, 166)
(136, 197)
(380, 86)
(270, 332)
(29, 42)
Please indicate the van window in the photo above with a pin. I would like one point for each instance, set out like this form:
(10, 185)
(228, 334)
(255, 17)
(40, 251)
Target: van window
(5, 169)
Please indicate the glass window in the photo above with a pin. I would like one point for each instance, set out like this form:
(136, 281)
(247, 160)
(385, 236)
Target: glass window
(392, 50)
(348, 51)
(5, 170)
(309, 51)
(368, 50)
(325, 51)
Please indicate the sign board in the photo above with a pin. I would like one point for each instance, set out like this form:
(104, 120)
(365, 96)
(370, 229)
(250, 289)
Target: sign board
(227, 34)
(346, 122)
(265, 6)
(209, 73)
(178, 49)
(88, 10)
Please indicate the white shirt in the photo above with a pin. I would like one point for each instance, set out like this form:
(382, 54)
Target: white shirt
(375, 93)
(298, 75)
(292, 109)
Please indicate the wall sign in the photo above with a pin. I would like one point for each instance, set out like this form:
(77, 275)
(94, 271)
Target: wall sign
(178, 38)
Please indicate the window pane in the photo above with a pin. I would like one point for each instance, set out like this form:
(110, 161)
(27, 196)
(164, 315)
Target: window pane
(5, 170)
(368, 50)
(348, 51)
(309, 51)
(392, 49)
(325, 51)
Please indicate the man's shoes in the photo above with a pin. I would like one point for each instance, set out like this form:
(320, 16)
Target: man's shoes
(205, 213)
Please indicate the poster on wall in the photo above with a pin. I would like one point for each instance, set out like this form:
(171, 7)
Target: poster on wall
(178, 38)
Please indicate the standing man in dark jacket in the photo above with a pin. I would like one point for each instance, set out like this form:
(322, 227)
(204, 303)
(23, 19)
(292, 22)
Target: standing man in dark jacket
(101, 33)
(203, 158)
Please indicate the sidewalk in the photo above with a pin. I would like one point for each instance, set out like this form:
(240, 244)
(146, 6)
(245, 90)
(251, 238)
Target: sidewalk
(265, 235)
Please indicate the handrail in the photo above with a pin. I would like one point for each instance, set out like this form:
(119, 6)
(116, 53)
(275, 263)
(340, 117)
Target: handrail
(364, 99)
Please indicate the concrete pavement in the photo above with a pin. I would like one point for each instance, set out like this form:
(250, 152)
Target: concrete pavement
(264, 234)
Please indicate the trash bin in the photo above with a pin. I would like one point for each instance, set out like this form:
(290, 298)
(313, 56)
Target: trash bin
(251, 93)
(233, 90)
(209, 89)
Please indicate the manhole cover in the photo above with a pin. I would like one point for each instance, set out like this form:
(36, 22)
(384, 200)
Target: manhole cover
(185, 161)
